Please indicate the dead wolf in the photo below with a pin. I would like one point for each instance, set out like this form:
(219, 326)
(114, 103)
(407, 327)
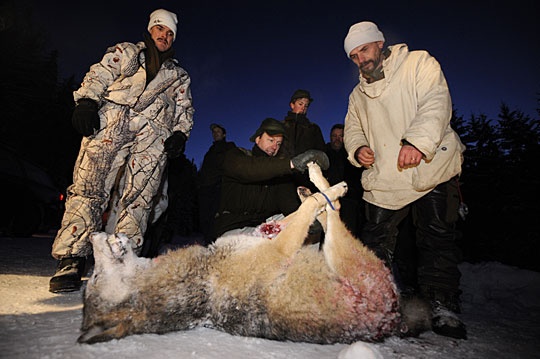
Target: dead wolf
(258, 285)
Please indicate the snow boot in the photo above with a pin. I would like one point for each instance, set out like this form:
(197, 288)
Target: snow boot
(69, 272)
(445, 322)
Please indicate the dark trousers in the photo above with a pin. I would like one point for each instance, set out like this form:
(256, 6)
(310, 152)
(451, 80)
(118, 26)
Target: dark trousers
(351, 214)
(208, 207)
(434, 216)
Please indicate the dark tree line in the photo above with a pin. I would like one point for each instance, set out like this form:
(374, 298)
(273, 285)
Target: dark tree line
(501, 185)
(500, 180)
(35, 103)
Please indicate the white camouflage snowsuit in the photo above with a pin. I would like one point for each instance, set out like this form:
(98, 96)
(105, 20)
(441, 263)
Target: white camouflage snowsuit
(135, 121)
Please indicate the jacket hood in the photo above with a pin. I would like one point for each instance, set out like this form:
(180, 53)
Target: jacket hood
(390, 65)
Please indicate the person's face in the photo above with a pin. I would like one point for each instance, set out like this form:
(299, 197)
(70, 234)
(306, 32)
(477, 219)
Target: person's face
(269, 144)
(217, 134)
(162, 36)
(336, 139)
(300, 106)
(368, 57)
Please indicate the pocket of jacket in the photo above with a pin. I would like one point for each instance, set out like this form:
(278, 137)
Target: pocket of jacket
(445, 164)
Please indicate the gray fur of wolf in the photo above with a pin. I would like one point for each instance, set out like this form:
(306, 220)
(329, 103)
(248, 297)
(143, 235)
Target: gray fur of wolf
(251, 286)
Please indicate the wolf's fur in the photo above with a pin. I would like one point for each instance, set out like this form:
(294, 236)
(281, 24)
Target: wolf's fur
(247, 285)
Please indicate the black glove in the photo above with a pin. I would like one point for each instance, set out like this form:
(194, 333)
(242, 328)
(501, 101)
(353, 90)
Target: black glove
(175, 145)
(319, 157)
(85, 117)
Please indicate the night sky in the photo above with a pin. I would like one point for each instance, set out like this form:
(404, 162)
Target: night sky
(245, 59)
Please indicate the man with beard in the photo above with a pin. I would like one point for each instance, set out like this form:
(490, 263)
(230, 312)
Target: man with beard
(256, 184)
(398, 127)
(133, 109)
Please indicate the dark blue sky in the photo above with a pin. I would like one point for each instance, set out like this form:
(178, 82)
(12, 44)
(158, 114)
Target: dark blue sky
(246, 58)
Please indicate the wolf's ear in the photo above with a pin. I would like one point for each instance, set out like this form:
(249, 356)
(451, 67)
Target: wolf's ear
(97, 334)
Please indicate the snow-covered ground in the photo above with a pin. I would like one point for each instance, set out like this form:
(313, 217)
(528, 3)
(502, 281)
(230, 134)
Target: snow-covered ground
(501, 307)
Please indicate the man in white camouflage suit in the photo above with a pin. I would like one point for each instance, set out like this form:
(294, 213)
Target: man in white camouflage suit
(134, 110)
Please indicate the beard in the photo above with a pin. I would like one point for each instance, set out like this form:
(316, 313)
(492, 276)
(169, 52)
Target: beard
(372, 66)
(365, 66)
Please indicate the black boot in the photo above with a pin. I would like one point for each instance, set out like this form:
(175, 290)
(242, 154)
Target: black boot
(445, 321)
(444, 309)
(68, 275)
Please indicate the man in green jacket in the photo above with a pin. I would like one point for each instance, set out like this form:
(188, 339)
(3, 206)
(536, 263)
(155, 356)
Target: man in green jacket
(256, 184)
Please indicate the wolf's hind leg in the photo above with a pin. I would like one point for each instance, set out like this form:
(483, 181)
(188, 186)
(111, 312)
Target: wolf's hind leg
(316, 176)
(292, 237)
(342, 250)
(303, 194)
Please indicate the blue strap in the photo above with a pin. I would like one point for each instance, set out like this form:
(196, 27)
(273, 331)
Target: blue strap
(330, 203)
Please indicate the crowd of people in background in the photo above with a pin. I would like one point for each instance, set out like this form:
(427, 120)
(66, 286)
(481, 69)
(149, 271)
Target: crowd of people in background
(396, 151)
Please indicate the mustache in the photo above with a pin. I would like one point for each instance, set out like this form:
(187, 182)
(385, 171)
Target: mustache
(363, 64)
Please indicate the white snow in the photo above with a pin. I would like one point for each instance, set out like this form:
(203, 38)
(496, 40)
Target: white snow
(501, 308)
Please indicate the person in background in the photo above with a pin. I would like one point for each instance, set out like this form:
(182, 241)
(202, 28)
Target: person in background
(352, 205)
(398, 127)
(210, 176)
(302, 135)
(134, 107)
(256, 183)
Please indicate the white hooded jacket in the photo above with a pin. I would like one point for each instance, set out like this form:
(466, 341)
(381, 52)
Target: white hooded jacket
(412, 102)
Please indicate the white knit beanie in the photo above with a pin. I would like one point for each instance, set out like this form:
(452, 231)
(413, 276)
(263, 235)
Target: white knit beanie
(362, 33)
(163, 17)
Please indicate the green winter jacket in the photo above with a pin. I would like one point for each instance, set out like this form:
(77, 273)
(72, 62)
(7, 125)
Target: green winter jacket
(255, 186)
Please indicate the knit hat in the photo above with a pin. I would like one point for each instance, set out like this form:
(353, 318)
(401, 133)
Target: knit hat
(163, 17)
(271, 126)
(214, 125)
(362, 33)
(301, 94)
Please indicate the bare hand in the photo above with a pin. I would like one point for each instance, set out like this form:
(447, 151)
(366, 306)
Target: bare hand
(365, 156)
(409, 156)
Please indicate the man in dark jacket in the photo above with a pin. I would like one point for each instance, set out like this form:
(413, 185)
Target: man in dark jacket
(256, 184)
(352, 209)
(210, 180)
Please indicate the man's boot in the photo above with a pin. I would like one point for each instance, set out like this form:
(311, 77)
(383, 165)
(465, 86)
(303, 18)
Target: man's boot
(69, 272)
(444, 309)
(446, 322)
